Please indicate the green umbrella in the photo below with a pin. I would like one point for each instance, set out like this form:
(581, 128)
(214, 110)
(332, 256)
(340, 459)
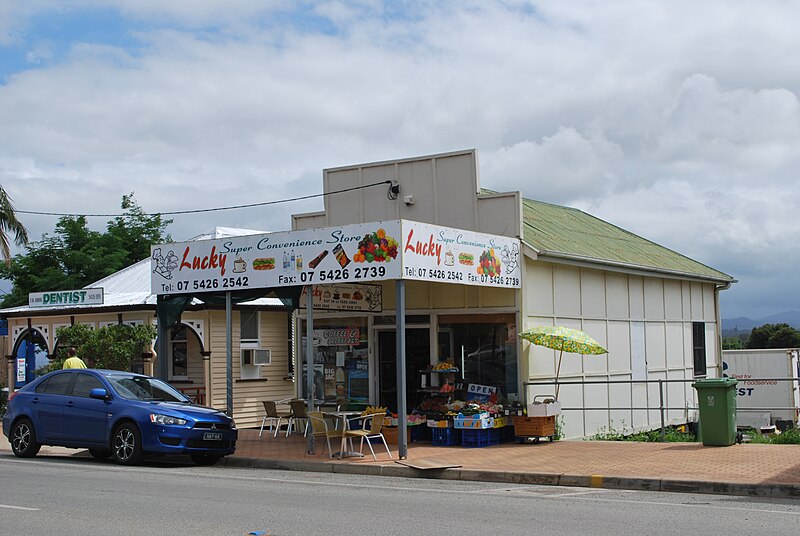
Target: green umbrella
(561, 339)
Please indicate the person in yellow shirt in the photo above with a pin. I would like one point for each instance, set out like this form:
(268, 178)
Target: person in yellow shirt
(73, 361)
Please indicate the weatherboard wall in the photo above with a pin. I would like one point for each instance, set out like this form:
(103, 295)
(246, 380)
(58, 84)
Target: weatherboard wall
(644, 322)
(271, 383)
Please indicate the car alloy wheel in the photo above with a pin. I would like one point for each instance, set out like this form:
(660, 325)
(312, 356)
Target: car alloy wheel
(127, 448)
(23, 439)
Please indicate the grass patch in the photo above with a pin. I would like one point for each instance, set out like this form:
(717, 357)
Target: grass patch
(790, 436)
(671, 435)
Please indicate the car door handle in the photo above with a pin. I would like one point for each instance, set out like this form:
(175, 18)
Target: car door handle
(35, 400)
(70, 403)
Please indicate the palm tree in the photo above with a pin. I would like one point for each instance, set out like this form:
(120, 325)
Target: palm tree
(10, 224)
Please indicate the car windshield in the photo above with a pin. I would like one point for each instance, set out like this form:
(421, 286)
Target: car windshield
(144, 388)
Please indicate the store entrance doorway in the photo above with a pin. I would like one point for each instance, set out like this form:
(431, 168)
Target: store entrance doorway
(418, 351)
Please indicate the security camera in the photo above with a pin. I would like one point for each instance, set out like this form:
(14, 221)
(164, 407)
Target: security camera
(408, 200)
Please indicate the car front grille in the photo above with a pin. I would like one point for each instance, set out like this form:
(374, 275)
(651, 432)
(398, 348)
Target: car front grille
(216, 425)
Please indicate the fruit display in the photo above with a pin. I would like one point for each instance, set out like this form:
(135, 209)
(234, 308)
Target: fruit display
(444, 365)
(376, 247)
(415, 419)
(369, 410)
(488, 264)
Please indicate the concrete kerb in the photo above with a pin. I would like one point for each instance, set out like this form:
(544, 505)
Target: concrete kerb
(512, 477)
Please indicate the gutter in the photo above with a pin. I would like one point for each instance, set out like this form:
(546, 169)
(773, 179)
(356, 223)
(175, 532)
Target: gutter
(590, 262)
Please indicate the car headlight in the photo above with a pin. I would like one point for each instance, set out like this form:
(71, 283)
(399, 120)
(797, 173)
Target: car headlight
(233, 424)
(166, 419)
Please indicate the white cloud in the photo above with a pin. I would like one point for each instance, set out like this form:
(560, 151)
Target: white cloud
(677, 121)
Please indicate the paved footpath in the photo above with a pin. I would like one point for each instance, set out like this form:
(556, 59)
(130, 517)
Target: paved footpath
(746, 469)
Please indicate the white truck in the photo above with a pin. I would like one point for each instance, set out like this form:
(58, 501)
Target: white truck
(766, 393)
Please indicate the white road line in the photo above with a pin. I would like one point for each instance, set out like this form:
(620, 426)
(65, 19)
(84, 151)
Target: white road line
(12, 507)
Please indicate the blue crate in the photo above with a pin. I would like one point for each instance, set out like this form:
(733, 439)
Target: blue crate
(485, 437)
(445, 437)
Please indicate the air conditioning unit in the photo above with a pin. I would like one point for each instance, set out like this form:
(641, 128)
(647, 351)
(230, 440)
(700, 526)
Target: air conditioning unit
(256, 356)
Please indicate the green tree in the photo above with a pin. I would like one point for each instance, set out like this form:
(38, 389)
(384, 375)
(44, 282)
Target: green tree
(774, 336)
(9, 224)
(112, 347)
(76, 256)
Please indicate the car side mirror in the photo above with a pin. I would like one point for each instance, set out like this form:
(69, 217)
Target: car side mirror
(98, 392)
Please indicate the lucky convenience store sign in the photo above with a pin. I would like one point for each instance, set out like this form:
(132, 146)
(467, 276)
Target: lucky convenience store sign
(358, 253)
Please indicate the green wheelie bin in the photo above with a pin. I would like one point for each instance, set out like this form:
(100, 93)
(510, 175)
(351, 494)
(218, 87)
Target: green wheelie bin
(716, 399)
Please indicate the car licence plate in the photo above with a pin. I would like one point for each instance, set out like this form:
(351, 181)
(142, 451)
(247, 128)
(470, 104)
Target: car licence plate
(212, 436)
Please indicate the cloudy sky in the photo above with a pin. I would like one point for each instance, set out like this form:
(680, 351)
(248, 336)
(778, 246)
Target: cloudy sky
(678, 120)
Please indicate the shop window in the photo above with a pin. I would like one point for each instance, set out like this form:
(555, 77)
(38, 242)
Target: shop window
(340, 360)
(484, 353)
(699, 348)
(249, 327)
(178, 350)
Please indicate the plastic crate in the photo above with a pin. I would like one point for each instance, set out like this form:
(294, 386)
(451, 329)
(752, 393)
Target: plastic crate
(507, 434)
(476, 438)
(445, 437)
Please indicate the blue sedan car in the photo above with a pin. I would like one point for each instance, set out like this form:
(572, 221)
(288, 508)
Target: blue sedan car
(114, 413)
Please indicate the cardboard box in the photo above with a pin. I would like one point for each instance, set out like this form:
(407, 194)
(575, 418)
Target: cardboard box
(440, 424)
(544, 410)
(390, 434)
(478, 421)
(535, 426)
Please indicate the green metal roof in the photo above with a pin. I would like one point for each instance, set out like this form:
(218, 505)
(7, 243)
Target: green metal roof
(565, 232)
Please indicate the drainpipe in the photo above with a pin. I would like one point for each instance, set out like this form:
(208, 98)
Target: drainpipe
(717, 290)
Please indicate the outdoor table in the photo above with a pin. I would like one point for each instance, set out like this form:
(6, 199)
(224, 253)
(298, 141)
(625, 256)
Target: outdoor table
(345, 417)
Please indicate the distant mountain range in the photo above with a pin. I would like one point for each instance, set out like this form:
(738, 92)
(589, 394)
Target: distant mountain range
(740, 324)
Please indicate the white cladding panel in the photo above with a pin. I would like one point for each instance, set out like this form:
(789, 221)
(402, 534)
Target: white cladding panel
(673, 308)
(617, 295)
(655, 346)
(348, 208)
(567, 291)
(653, 299)
(697, 301)
(674, 346)
(688, 351)
(638, 348)
(596, 364)
(636, 297)
(593, 293)
(619, 347)
(538, 287)
(457, 183)
(708, 304)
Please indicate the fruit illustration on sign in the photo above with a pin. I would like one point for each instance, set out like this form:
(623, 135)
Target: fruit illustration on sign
(488, 264)
(376, 247)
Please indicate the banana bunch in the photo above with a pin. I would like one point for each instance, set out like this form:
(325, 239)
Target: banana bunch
(373, 409)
